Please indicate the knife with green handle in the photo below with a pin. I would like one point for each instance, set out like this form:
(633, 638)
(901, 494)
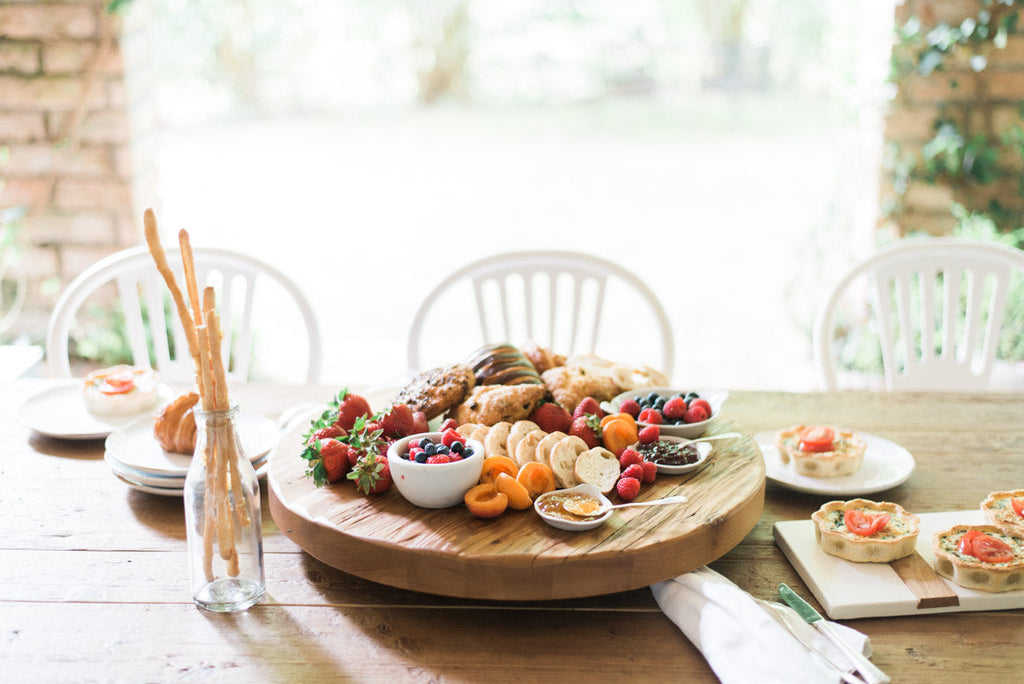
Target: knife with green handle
(866, 668)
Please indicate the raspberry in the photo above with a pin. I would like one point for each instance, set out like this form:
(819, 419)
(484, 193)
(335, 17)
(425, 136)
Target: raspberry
(628, 488)
(635, 471)
(629, 457)
(631, 407)
(449, 424)
(413, 450)
(674, 408)
(450, 436)
(651, 417)
(695, 415)
(439, 458)
(650, 434)
(650, 469)
(700, 402)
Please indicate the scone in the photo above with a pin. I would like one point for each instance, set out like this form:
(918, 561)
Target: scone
(570, 384)
(982, 557)
(865, 531)
(821, 450)
(490, 404)
(1006, 510)
(437, 390)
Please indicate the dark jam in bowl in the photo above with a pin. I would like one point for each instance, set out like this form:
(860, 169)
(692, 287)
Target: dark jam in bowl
(669, 453)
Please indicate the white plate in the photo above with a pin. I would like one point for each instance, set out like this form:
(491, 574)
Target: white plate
(154, 480)
(573, 525)
(172, 491)
(848, 590)
(885, 465)
(715, 397)
(135, 447)
(60, 412)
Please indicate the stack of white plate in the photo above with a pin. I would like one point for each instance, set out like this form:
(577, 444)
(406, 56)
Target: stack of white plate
(139, 461)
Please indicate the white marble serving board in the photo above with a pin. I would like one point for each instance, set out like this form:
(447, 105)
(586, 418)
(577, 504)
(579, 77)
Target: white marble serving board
(856, 590)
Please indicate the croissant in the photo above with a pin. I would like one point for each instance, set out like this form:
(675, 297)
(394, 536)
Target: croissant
(175, 428)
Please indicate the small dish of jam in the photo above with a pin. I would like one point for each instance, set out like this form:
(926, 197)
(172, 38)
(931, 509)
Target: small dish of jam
(551, 508)
(676, 455)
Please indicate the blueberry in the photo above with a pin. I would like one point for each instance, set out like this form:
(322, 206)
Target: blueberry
(430, 449)
(405, 456)
(467, 452)
(422, 457)
(456, 447)
(660, 404)
(424, 442)
(441, 449)
(652, 397)
(690, 396)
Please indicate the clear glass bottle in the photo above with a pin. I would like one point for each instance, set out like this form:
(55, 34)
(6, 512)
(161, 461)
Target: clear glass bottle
(222, 517)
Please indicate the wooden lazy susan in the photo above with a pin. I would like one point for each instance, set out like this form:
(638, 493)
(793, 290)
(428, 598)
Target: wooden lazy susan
(517, 556)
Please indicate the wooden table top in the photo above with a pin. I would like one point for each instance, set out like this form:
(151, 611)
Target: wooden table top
(94, 576)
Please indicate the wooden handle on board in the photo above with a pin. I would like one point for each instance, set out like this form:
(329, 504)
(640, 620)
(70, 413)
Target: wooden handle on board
(931, 590)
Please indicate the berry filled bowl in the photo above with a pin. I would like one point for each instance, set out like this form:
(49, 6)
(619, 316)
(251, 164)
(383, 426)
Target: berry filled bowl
(434, 469)
(677, 413)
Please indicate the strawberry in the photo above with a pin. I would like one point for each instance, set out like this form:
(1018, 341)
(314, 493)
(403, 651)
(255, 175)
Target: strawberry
(419, 422)
(329, 432)
(674, 408)
(328, 461)
(631, 407)
(650, 416)
(371, 474)
(627, 487)
(587, 428)
(398, 421)
(551, 417)
(366, 437)
(648, 435)
(650, 469)
(588, 405)
(448, 423)
(695, 415)
(635, 471)
(629, 457)
(350, 407)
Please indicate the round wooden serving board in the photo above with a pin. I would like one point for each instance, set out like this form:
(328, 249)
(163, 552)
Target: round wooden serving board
(517, 556)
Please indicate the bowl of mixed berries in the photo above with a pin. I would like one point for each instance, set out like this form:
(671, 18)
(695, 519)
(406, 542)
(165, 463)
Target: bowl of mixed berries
(435, 469)
(677, 413)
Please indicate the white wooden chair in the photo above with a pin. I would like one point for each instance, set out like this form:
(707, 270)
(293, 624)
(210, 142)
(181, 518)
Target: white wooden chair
(140, 287)
(939, 306)
(553, 298)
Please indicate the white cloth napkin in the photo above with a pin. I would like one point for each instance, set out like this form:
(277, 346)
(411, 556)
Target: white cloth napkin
(741, 641)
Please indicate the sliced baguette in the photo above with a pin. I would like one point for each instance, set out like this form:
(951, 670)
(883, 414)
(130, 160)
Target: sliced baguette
(598, 467)
(546, 445)
(519, 429)
(563, 460)
(526, 450)
(497, 438)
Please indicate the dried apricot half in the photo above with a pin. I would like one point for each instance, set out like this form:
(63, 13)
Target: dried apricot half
(518, 495)
(538, 478)
(493, 465)
(485, 501)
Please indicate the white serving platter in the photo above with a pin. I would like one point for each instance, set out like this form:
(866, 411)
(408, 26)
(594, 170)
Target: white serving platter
(857, 590)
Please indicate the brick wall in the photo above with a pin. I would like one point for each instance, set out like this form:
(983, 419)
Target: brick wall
(982, 102)
(64, 124)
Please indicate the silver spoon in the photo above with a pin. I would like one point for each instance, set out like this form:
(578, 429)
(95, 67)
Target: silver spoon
(724, 435)
(577, 507)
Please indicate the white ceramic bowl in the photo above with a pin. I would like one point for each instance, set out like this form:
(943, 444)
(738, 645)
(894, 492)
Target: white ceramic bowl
(573, 525)
(434, 485)
(704, 450)
(715, 397)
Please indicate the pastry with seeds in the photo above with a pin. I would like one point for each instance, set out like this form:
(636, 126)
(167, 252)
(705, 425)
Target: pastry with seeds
(437, 390)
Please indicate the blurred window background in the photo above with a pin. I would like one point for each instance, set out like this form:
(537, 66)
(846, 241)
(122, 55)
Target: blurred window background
(726, 151)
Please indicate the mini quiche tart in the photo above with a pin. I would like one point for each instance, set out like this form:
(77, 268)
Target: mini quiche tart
(821, 450)
(865, 531)
(982, 557)
(1006, 510)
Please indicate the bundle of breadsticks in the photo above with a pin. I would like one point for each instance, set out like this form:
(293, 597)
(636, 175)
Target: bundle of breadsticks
(203, 333)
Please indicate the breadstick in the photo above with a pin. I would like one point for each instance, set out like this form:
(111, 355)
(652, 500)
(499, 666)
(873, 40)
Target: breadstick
(157, 250)
(213, 322)
(188, 263)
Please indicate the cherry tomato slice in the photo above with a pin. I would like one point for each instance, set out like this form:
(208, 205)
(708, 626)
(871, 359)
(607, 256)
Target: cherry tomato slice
(817, 439)
(118, 383)
(1018, 505)
(863, 523)
(992, 550)
(966, 545)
